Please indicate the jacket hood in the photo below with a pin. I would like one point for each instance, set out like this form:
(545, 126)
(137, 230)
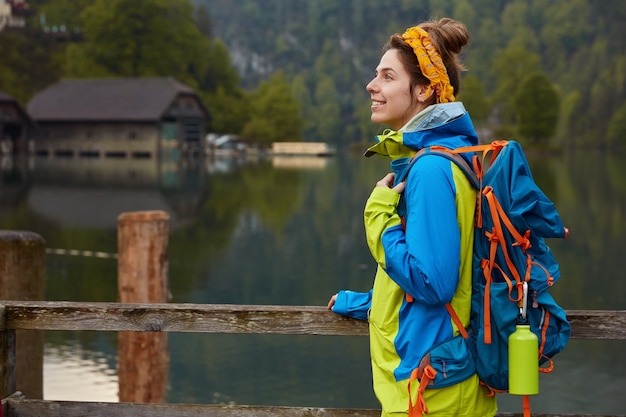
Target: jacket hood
(445, 124)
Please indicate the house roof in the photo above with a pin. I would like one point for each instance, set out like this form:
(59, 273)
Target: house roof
(6, 98)
(107, 99)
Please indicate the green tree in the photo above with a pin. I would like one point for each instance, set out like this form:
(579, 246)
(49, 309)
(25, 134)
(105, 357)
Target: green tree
(565, 27)
(537, 108)
(473, 97)
(466, 13)
(616, 135)
(204, 22)
(130, 38)
(219, 85)
(327, 110)
(65, 13)
(275, 114)
(19, 77)
(301, 92)
(509, 67)
(215, 69)
(229, 110)
(480, 54)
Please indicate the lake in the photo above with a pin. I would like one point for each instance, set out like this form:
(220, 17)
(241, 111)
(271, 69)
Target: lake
(289, 231)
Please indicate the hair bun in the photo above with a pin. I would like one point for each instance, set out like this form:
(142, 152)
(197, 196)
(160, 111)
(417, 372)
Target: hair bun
(448, 35)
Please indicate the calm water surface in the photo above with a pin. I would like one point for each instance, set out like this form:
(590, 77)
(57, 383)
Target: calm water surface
(289, 231)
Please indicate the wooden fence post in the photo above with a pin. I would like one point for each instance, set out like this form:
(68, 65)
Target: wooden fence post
(22, 272)
(7, 357)
(143, 364)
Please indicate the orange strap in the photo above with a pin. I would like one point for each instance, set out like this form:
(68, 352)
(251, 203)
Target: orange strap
(544, 330)
(549, 278)
(549, 368)
(425, 376)
(487, 268)
(526, 401)
(487, 303)
(499, 217)
(496, 146)
(497, 239)
(479, 167)
(457, 321)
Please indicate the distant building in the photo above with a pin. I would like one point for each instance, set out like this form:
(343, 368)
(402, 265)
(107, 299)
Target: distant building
(118, 117)
(12, 13)
(14, 126)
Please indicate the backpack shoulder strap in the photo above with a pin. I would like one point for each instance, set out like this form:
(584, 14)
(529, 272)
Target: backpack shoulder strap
(475, 170)
(461, 162)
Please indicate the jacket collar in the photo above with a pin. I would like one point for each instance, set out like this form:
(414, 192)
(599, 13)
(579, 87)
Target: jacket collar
(445, 124)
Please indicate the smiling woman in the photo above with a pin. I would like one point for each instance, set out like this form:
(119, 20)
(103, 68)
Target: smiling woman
(393, 101)
(419, 226)
(414, 67)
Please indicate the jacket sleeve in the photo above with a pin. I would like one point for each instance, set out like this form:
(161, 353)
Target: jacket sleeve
(381, 215)
(353, 304)
(424, 260)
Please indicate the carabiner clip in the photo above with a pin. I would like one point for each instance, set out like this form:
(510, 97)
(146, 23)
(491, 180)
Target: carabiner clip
(524, 306)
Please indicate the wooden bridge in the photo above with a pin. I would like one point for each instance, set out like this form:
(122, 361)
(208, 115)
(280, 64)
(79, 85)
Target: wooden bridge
(204, 318)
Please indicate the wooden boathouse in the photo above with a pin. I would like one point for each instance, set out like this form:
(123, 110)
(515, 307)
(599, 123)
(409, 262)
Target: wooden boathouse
(14, 126)
(118, 117)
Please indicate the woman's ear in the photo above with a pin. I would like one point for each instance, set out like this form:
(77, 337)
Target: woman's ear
(425, 93)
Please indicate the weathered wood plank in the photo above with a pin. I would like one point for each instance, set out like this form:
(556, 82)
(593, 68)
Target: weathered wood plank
(208, 318)
(34, 408)
(226, 318)
(598, 324)
(8, 365)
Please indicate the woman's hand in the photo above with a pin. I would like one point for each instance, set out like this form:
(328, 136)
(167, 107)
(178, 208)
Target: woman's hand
(331, 302)
(387, 181)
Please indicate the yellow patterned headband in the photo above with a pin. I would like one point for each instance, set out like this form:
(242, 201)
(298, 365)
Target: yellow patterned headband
(430, 63)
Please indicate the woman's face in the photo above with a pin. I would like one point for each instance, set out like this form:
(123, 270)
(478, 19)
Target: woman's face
(394, 103)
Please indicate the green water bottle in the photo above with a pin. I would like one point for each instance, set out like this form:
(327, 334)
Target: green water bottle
(523, 356)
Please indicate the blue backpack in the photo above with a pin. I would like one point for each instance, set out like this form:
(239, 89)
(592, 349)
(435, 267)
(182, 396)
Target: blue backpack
(513, 217)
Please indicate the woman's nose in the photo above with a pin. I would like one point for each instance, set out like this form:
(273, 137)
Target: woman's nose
(371, 86)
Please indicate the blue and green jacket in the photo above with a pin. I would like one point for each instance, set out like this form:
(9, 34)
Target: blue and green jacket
(431, 260)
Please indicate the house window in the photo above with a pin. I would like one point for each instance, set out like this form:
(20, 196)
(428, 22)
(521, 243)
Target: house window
(192, 129)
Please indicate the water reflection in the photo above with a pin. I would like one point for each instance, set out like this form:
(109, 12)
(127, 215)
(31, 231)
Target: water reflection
(71, 373)
(256, 231)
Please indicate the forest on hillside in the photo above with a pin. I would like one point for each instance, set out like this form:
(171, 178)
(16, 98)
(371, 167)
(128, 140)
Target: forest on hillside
(329, 48)
(549, 71)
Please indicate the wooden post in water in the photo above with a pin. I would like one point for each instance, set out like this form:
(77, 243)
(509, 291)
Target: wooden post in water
(22, 271)
(143, 358)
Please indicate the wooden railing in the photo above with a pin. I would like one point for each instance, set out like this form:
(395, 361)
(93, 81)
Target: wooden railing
(259, 319)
